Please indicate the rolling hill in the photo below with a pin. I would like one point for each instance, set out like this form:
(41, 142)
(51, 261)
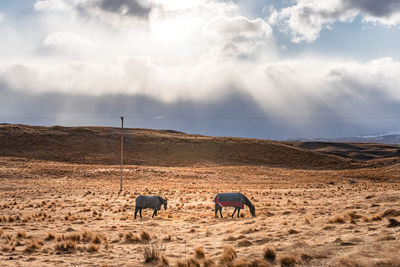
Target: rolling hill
(101, 145)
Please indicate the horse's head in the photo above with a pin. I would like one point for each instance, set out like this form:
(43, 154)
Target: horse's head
(165, 203)
(253, 211)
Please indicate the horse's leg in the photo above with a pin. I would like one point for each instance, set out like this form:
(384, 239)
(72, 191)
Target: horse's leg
(154, 213)
(140, 211)
(136, 210)
(238, 212)
(233, 214)
(220, 212)
(216, 210)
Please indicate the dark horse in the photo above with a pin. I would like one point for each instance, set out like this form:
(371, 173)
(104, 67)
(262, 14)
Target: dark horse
(151, 202)
(236, 200)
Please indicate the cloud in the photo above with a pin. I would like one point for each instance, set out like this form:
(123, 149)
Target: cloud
(134, 8)
(241, 37)
(51, 5)
(379, 9)
(1, 17)
(307, 18)
(354, 97)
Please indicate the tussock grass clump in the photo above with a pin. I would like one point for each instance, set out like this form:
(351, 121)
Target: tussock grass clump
(131, 238)
(50, 236)
(92, 248)
(350, 262)
(293, 232)
(5, 248)
(33, 246)
(199, 253)
(391, 212)
(244, 243)
(189, 263)
(270, 255)
(287, 261)
(145, 236)
(167, 238)
(66, 246)
(1, 232)
(209, 263)
(228, 255)
(164, 261)
(96, 238)
(393, 223)
(73, 237)
(376, 217)
(250, 263)
(21, 234)
(152, 253)
(337, 219)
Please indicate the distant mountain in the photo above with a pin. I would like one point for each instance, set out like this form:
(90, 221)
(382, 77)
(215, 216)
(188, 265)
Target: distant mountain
(392, 138)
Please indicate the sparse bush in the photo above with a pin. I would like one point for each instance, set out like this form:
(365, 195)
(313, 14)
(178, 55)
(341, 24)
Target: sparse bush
(152, 253)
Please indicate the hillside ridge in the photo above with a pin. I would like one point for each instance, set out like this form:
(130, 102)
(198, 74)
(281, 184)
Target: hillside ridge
(101, 145)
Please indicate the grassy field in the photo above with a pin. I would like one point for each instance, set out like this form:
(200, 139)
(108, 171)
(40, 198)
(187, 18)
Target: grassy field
(312, 209)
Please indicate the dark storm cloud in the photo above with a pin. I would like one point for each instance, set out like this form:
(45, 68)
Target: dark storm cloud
(126, 7)
(227, 116)
(132, 8)
(377, 8)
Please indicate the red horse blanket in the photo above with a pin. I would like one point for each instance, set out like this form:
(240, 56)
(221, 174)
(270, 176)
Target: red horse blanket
(230, 200)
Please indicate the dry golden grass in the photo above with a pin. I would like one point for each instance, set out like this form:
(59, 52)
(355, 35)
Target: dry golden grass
(67, 246)
(33, 246)
(300, 216)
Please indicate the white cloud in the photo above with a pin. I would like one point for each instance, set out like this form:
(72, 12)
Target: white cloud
(66, 39)
(1, 17)
(304, 20)
(51, 5)
(241, 37)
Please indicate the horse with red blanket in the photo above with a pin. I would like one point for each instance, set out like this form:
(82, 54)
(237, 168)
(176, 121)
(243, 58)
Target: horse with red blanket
(236, 200)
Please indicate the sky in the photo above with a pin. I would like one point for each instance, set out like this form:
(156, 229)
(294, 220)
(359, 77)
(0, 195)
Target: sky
(262, 69)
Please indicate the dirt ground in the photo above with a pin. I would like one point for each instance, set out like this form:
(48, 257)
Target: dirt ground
(56, 214)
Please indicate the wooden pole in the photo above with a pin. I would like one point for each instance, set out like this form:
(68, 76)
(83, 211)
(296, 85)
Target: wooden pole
(122, 152)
